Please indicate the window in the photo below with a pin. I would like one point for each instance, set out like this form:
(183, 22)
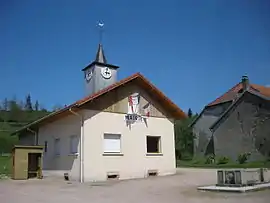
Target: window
(153, 144)
(57, 146)
(112, 143)
(74, 144)
(45, 146)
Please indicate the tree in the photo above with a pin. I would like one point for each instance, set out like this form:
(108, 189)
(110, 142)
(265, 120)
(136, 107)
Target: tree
(183, 139)
(57, 107)
(21, 105)
(36, 106)
(190, 113)
(12, 105)
(5, 104)
(28, 103)
(42, 108)
(15, 113)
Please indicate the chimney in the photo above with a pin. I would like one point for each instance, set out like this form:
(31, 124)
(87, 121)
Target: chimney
(245, 82)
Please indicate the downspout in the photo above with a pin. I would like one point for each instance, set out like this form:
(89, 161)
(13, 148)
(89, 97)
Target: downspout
(81, 145)
(35, 134)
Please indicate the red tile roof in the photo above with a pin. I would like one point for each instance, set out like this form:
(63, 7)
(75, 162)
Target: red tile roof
(166, 103)
(232, 93)
(172, 108)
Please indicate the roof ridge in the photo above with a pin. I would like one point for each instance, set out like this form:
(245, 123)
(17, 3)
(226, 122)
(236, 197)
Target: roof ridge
(171, 107)
(231, 93)
(264, 86)
(230, 90)
(235, 103)
(102, 91)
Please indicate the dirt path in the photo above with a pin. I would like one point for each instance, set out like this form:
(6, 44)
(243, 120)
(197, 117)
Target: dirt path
(180, 188)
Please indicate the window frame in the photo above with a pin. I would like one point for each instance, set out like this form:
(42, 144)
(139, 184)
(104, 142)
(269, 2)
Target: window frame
(57, 151)
(105, 152)
(71, 144)
(159, 152)
(45, 146)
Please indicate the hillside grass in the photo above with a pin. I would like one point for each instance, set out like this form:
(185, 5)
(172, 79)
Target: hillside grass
(5, 165)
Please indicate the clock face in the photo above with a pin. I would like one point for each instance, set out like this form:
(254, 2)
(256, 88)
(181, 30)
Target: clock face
(88, 75)
(106, 73)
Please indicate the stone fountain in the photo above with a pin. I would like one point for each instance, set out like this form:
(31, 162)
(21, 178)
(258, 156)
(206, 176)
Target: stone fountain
(240, 180)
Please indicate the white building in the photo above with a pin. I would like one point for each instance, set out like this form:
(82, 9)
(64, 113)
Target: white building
(122, 129)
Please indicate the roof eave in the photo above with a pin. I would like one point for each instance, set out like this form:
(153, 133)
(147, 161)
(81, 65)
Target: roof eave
(216, 104)
(174, 110)
(100, 64)
(196, 119)
(36, 122)
(213, 126)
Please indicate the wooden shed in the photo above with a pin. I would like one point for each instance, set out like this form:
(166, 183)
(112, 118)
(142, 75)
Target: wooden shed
(27, 162)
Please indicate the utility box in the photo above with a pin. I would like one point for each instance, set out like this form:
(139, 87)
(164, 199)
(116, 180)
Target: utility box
(27, 162)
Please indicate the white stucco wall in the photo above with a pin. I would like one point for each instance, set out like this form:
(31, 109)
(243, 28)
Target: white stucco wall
(57, 165)
(134, 163)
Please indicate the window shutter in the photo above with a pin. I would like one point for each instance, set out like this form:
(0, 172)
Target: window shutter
(112, 143)
(74, 144)
(57, 146)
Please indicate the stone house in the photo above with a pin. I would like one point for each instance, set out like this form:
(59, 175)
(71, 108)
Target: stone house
(236, 122)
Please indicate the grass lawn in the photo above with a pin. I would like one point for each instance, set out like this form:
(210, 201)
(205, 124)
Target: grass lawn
(197, 164)
(5, 165)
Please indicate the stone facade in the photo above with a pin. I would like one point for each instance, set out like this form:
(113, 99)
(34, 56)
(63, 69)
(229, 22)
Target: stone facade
(201, 128)
(245, 129)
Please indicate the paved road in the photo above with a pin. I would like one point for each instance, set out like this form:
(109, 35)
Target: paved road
(180, 188)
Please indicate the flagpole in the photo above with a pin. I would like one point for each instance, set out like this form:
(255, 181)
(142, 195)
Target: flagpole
(101, 30)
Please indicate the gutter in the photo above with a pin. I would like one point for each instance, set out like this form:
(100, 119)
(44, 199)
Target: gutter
(81, 144)
(35, 134)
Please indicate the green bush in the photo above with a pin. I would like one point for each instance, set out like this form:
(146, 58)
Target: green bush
(210, 159)
(186, 157)
(242, 158)
(223, 160)
(198, 160)
(5, 165)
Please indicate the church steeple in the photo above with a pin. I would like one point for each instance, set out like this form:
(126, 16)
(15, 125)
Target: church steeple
(99, 74)
(100, 56)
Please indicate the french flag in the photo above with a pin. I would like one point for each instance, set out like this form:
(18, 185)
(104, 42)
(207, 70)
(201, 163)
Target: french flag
(146, 109)
(134, 101)
(130, 102)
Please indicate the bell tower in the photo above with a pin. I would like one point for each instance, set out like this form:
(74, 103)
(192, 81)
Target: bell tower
(99, 74)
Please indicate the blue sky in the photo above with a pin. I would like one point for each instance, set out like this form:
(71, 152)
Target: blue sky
(191, 50)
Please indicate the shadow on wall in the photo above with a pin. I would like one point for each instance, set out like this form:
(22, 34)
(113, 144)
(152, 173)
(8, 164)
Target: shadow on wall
(66, 160)
(202, 144)
(61, 155)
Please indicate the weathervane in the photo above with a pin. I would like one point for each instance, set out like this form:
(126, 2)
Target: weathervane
(100, 26)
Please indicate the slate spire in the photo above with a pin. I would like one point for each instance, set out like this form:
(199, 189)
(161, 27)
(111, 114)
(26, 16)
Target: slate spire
(100, 56)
